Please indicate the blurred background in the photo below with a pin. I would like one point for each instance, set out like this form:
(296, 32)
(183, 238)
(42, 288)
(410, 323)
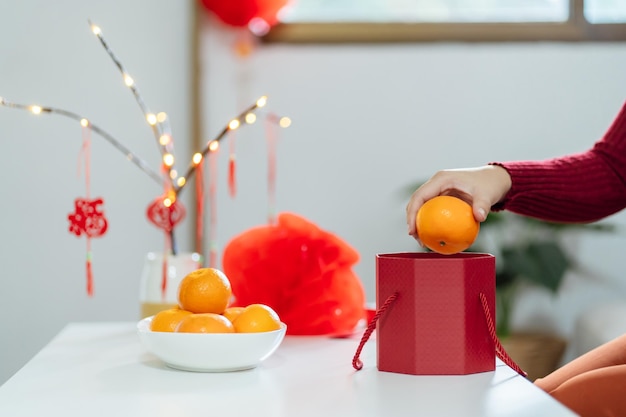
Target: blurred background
(369, 120)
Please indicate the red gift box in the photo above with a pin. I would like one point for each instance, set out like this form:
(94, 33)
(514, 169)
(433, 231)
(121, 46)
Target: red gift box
(437, 323)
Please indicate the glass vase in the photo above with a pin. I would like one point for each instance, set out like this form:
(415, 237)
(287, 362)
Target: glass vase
(155, 292)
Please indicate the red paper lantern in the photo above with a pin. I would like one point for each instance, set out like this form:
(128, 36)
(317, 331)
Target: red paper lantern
(301, 271)
(241, 12)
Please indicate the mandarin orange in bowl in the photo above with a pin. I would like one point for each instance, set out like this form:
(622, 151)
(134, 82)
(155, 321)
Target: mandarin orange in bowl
(256, 318)
(216, 351)
(200, 335)
(167, 320)
(204, 323)
(205, 290)
(231, 313)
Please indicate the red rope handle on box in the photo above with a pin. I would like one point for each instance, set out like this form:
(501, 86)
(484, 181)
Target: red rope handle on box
(356, 361)
(500, 352)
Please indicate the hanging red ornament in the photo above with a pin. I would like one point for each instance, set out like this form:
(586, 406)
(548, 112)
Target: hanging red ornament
(270, 133)
(165, 212)
(241, 12)
(213, 208)
(165, 215)
(232, 170)
(89, 220)
(200, 206)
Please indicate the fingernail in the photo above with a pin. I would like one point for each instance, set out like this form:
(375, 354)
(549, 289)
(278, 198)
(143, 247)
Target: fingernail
(482, 213)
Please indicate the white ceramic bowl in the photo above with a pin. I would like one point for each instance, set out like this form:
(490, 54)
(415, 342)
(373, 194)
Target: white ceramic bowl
(210, 352)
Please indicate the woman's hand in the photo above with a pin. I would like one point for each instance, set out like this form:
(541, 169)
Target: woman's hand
(482, 187)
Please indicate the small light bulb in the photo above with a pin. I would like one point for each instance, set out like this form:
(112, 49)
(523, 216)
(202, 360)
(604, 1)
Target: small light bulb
(173, 174)
(214, 145)
(181, 181)
(168, 159)
(261, 101)
(284, 122)
(84, 122)
(164, 140)
(128, 80)
(96, 30)
(151, 118)
(167, 202)
(36, 109)
(250, 118)
(197, 158)
(161, 117)
(259, 26)
(234, 124)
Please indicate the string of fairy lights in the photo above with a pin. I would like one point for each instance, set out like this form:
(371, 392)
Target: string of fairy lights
(160, 127)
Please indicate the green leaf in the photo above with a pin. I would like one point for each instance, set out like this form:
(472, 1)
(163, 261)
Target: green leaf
(543, 263)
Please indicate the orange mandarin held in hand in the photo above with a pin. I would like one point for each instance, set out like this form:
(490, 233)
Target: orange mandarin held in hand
(446, 225)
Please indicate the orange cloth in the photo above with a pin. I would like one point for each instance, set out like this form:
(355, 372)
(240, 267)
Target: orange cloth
(593, 385)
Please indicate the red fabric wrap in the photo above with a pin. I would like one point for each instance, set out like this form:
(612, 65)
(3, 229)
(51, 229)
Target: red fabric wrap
(301, 271)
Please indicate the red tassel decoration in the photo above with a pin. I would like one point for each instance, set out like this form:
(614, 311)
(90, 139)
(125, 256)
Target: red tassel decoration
(87, 218)
(164, 276)
(213, 208)
(199, 205)
(270, 133)
(232, 178)
(89, 270)
(232, 164)
(87, 155)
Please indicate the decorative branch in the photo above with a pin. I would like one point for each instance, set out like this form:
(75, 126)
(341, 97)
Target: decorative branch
(160, 130)
(213, 145)
(247, 116)
(131, 156)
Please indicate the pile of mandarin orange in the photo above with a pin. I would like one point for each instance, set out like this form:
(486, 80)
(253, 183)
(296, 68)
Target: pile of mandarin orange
(203, 307)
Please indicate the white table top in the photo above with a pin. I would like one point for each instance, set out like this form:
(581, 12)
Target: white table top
(101, 369)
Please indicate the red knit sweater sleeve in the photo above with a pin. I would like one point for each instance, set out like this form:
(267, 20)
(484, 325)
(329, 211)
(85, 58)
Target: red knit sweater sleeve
(581, 187)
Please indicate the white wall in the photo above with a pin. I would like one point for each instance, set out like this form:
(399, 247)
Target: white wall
(49, 56)
(370, 119)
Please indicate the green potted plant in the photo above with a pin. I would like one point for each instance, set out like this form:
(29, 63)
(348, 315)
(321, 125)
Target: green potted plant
(527, 251)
